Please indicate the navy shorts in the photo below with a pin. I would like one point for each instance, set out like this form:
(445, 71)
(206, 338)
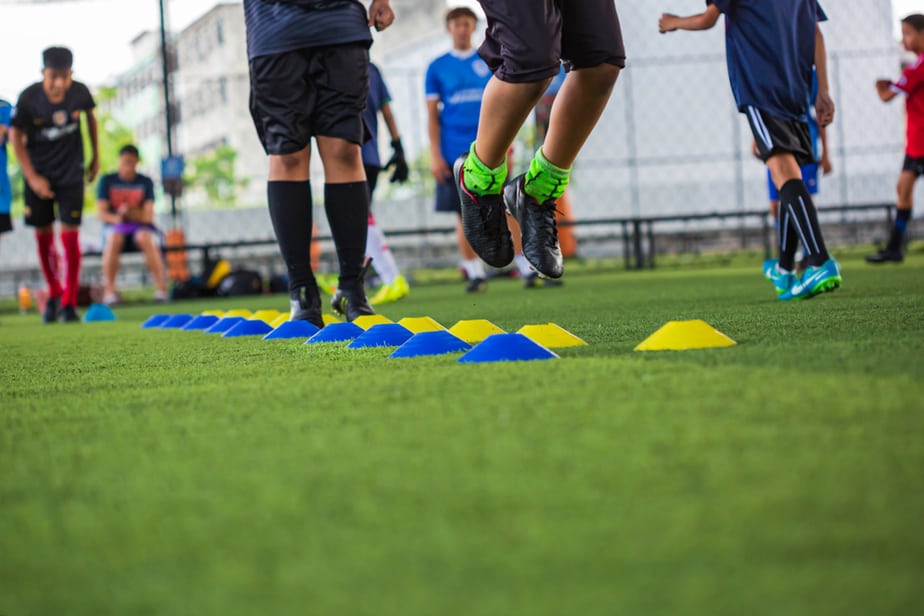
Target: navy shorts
(775, 135)
(6, 222)
(41, 212)
(526, 40)
(447, 197)
(319, 91)
(914, 165)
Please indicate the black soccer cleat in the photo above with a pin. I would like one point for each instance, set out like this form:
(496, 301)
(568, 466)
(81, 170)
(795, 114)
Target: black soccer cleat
(537, 228)
(532, 281)
(484, 222)
(305, 305)
(50, 314)
(476, 285)
(885, 255)
(69, 315)
(350, 301)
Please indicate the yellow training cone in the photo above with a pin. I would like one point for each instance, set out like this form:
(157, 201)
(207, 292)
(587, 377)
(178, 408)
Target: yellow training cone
(684, 335)
(551, 336)
(368, 320)
(213, 313)
(474, 330)
(239, 312)
(330, 319)
(267, 316)
(282, 318)
(420, 324)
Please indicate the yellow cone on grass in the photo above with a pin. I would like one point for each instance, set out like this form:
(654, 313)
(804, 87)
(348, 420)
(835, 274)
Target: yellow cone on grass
(685, 335)
(420, 324)
(213, 313)
(267, 316)
(551, 336)
(368, 320)
(329, 319)
(282, 318)
(238, 312)
(474, 330)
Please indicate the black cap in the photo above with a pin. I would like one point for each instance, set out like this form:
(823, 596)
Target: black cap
(57, 58)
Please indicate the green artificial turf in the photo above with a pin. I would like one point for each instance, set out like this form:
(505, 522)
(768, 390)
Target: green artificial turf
(171, 472)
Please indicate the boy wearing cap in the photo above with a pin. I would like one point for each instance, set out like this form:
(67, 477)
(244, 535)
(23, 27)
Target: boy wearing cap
(47, 140)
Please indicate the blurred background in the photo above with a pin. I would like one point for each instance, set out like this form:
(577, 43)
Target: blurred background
(171, 76)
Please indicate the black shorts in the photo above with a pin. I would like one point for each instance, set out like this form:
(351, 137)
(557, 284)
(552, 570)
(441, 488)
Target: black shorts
(320, 91)
(447, 197)
(914, 165)
(526, 40)
(6, 223)
(774, 135)
(41, 212)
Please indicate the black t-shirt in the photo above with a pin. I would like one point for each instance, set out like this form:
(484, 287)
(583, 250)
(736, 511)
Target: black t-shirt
(53, 131)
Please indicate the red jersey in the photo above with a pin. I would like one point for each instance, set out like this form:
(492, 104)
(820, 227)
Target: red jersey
(911, 85)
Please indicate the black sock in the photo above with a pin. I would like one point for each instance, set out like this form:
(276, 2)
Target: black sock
(290, 211)
(347, 207)
(897, 238)
(797, 202)
(788, 238)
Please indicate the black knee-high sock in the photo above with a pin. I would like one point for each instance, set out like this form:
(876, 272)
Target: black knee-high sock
(897, 238)
(788, 237)
(347, 208)
(290, 211)
(797, 202)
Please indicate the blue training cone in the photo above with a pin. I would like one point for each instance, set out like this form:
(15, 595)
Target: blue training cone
(176, 321)
(223, 325)
(292, 329)
(382, 335)
(202, 321)
(336, 332)
(155, 320)
(248, 327)
(437, 342)
(98, 312)
(506, 347)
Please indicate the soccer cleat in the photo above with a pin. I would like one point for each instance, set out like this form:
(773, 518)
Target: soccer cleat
(327, 283)
(814, 281)
(69, 315)
(537, 228)
(885, 255)
(476, 285)
(351, 302)
(388, 293)
(533, 281)
(305, 305)
(781, 279)
(484, 222)
(50, 314)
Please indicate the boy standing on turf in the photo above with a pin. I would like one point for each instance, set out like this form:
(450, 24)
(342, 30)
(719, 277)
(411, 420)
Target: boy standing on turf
(771, 48)
(309, 62)
(524, 45)
(46, 138)
(911, 84)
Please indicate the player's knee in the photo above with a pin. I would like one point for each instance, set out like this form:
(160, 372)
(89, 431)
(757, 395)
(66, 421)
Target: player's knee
(291, 162)
(599, 79)
(115, 242)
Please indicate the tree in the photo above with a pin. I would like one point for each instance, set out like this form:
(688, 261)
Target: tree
(214, 174)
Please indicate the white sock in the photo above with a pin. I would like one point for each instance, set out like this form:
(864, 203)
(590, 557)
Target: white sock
(382, 259)
(522, 265)
(474, 268)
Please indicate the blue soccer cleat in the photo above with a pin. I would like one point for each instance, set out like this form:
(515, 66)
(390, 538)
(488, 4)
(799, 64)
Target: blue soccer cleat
(781, 279)
(814, 281)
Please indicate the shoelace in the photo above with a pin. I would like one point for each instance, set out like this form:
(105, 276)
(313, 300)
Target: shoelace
(547, 219)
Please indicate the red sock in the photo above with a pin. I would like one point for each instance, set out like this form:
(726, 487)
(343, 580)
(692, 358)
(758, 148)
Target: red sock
(48, 259)
(71, 243)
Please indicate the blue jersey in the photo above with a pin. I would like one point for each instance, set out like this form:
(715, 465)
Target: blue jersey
(770, 50)
(6, 194)
(457, 81)
(122, 194)
(275, 27)
(378, 97)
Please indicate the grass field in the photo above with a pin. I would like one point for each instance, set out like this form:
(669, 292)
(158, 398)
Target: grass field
(170, 472)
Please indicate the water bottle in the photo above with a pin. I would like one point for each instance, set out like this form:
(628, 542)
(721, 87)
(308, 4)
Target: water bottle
(25, 299)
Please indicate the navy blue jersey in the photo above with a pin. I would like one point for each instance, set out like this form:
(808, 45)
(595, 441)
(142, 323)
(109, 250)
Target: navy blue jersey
(123, 194)
(53, 131)
(770, 50)
(276, 27)
(378, 97)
